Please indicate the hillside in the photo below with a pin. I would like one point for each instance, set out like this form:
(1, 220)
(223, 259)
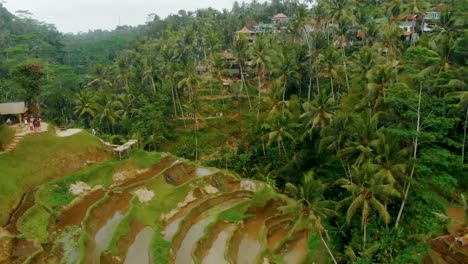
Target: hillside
(40, 158)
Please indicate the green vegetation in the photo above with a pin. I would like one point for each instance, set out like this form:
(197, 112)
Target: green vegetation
(34, 224)
(24, 168)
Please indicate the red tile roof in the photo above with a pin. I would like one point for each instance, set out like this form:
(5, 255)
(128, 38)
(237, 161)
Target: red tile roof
(280, 15)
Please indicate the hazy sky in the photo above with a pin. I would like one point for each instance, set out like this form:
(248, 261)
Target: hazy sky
(82, 15)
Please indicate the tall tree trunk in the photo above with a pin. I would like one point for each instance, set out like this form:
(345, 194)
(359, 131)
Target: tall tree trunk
(415, 151)
(174, 101)
(153, 85)
(345, 66)
(180, 107)
(242, 86)
(328, 249)
(464, 136)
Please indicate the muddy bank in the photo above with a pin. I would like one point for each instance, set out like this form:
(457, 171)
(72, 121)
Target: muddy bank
(294, 251)
(154, 170)
(74, 214)
(181, 173)
(245, 244)
(277, 230)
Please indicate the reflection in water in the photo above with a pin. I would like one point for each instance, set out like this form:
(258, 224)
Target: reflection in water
(171, 229)
(216, 253)
(184, 255)
(202, 172)
(249, 248)
(104, 235)
(139, 251)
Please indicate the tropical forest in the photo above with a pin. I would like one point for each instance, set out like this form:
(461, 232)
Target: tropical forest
(280, 131)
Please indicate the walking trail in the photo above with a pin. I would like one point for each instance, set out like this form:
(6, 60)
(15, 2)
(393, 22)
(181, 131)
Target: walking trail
(21, 132)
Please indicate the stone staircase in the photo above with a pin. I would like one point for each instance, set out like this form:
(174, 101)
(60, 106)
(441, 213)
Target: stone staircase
(19, 135)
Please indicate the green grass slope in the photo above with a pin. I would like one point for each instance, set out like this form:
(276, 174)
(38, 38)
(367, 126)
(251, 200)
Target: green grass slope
(42, 157)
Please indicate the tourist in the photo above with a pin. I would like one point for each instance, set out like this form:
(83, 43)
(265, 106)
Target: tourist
(93, 131)
(9, 122)
(39, 124)
(25, 121)
(31, 125)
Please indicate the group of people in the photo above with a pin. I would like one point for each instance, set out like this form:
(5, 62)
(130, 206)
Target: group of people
(34, 124)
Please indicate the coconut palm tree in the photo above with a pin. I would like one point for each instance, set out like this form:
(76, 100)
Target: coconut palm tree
(100, 75)
(368, 190)
(317, 114)
(240, 49)
(461, 106)
(310, 208)
(106, 111)
(279, 126)
(260, 50)
(85, 106)
(150, 71)
(329, 60)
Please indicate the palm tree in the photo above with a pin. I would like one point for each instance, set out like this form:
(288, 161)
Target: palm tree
(240, 52)
(343, 28)
(367, 191)
(99, 78)
(191, 80)
(286, 68)
(310, 207)
(379, 79)
(85, 106)
(299, 21)
(358, 148)
(317, 114)
(150, 71)
(330, 60)
(279, 126)
(461, 106)
(106, 109)
(262, 60)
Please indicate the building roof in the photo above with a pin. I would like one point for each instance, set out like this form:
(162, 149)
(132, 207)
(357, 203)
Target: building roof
(13, 108)
(280, 15)
(245, 30)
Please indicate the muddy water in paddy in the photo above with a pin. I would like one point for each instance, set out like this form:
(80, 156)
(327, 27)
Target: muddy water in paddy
(216, 253)
(76, 213)
(171, 229)
(139, 251)
(104, 235)
(102, 221)
(184, 255)
(249, 248)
